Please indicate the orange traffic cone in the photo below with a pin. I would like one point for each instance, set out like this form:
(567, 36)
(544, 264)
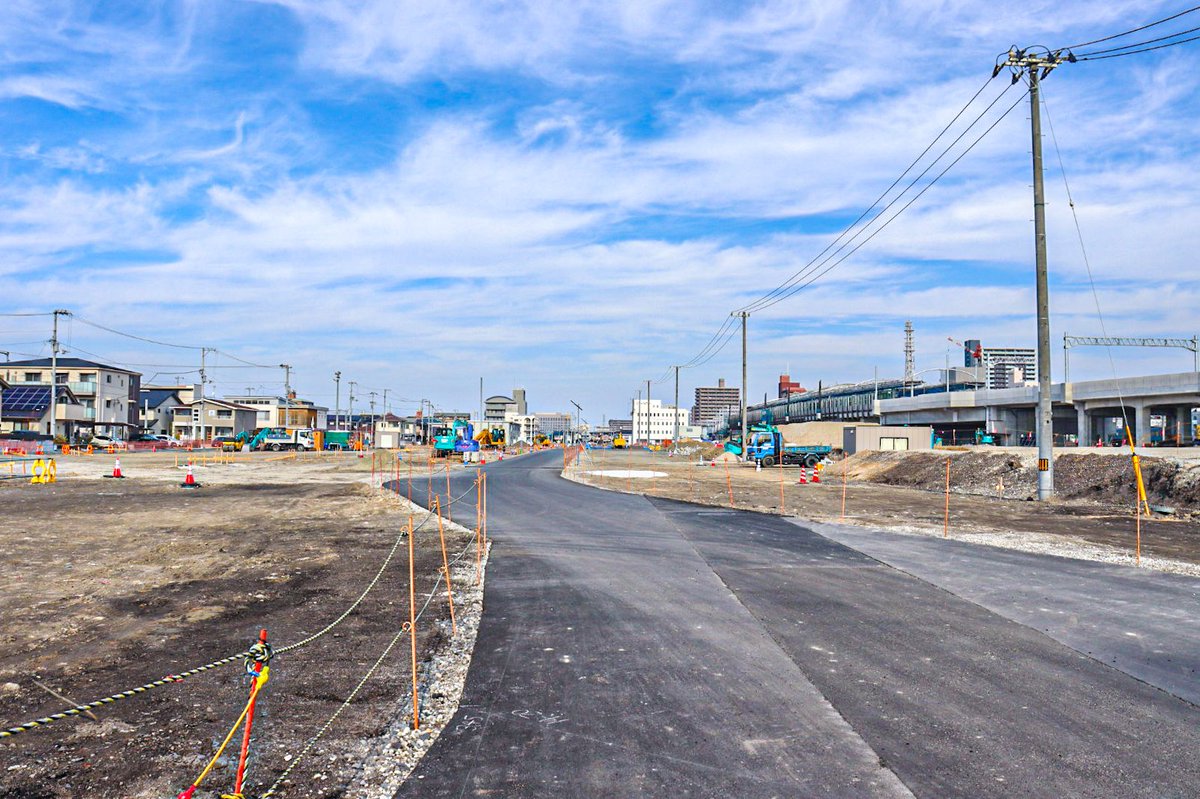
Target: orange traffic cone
(190, 480)
(117, 470)
(816, 475)
(803, 476)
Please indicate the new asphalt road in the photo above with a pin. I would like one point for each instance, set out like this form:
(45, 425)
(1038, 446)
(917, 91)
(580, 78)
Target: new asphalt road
(636, 647)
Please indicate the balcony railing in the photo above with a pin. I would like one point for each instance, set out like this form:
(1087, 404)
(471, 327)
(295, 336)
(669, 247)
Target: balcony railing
(80, 387)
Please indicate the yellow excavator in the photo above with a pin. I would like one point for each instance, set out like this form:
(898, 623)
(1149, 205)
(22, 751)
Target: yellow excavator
(490, 438)
(619, 442)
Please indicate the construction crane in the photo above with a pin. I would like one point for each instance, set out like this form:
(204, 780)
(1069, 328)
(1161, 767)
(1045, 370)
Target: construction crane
(976, 353)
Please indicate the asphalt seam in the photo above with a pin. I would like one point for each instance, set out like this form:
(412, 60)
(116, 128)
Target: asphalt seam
(767, 630)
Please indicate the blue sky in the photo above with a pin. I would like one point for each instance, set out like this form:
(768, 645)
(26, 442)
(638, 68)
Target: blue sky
(571, 197)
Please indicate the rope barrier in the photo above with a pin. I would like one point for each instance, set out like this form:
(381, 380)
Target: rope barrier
(404, 628)
(181, 676)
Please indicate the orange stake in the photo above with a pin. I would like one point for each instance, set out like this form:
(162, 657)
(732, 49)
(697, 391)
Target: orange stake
(478, 528)
(485, 519)
(946, 515)
(449, 513)
(410, 481)
(446, 568)
(728, 482)
(412, 623)
(1138, 549)
(782, 509)
(844, 489)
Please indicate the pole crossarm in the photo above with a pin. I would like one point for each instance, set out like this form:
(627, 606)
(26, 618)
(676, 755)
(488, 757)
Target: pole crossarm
(1190, 344)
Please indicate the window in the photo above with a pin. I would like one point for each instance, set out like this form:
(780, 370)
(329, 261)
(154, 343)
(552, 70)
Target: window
(108, 378)
(33, 377)
(888, 443)
(224, 414)
(108, 403)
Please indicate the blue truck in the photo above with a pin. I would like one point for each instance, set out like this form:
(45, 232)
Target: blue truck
(768, 448)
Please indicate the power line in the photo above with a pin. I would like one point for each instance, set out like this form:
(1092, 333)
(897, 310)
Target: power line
(1135, 52)
(1134, 30)
(1138, 44)
(42, 313)
(879, 199)
(137, 338)
(829, 264)
(796, 289)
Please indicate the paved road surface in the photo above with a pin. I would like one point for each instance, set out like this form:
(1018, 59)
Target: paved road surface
(635, 647)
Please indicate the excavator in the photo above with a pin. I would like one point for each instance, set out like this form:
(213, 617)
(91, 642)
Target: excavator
(490, 438)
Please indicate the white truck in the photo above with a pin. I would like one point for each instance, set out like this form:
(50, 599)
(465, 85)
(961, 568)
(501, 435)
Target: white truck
(279, 438)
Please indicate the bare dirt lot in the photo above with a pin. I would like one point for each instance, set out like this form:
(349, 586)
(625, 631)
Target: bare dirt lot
(113, 583)
(904, 492)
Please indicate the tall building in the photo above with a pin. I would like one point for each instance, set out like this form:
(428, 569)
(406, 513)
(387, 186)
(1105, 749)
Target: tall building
(711, 402)
(550, 423)
(1009, 367)
(787, 386)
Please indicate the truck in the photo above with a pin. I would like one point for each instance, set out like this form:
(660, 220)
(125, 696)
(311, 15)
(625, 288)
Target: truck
(768, 448)
(281, 438)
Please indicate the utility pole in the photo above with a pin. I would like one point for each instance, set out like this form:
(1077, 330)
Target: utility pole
(578, 419)
(675, 439)
(350, 413)
(287, 393)
(639, 402)
(373, 418)
(744, 316)
(54, 373)
(482, 422)
(385, 405)
(1024, 62)
(337, 395)
(647, 413)
(203, 381)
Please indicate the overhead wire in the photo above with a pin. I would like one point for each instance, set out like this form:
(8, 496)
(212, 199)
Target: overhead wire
(1136, 52)
(880, 198)
(828, 265)
(1134, 30)
(1138, 44)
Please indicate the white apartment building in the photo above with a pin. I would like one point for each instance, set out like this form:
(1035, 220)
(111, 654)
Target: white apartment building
(108, 394)
(654, 422)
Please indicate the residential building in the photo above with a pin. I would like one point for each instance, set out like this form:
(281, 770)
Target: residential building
(108, 394)
(550, 423)
(220, 418)
(620, 427)
(654, 422)
(712, 402)
(27, 407)
(1003, 367)
(157, 409)
(276, 411)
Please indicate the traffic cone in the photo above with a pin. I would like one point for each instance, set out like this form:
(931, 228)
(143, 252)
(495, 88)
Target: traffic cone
(117, 470)
(816, 474)
(758, 466)
(803, 476)
(190, 480)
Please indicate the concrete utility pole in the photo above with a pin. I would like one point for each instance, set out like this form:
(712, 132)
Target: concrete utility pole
(1036, 66)
(675, 439)
(578, 419)
(337, 395)
(54, 373)
(287, 393)
(482, 422)
(647, 413)
(350, 413)
(634, 415)
(203, 381)
(385, 405)
(373, 393)
(744, 316)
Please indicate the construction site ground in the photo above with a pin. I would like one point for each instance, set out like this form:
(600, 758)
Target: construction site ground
(111, 583)
(991, 490)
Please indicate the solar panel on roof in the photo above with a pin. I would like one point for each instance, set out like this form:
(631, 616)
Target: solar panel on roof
(26, 398)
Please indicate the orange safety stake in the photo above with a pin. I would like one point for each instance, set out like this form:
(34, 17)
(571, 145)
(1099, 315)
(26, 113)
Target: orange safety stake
(844, 470)
(449, 512)
(478, 527)
(728, 483)
(446, 568)
(946, 515)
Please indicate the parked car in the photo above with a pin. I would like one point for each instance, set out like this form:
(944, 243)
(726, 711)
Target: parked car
(104, 441)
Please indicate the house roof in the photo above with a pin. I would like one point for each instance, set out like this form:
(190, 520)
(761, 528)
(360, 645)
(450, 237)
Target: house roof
(217, 402)
(157, 396)
(31, 401)
(71, 363)
(499, 398)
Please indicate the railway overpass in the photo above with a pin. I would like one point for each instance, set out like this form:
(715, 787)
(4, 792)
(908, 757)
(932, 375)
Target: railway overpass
(1082, 410)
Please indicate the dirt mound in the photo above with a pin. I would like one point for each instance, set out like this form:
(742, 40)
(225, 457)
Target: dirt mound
(1084, 477)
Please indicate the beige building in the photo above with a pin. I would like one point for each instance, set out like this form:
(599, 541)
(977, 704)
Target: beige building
(211, 418)
(273, 411)
(108, 395)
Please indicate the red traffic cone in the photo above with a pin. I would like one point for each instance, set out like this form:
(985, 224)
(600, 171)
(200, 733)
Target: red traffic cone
(190, 480)
(117, 470)
(803, 476)
(816, 475)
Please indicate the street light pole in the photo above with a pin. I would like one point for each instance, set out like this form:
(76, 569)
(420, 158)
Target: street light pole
(337, 395)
